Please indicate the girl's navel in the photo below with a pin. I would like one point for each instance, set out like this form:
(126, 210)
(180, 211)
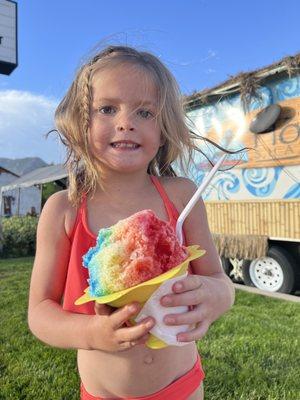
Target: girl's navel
(148, 358)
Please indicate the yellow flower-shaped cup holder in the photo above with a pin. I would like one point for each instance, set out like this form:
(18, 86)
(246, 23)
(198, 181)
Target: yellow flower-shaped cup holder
(143, 291)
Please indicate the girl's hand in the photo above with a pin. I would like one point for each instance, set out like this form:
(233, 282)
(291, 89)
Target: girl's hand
(107, 329)
(208, 298)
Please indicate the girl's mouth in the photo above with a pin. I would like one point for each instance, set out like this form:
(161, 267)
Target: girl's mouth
(125, 145)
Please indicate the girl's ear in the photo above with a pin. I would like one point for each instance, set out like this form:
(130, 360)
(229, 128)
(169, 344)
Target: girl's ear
(162, 140)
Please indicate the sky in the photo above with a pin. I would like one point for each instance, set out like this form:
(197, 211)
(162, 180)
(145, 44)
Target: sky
(202, 42)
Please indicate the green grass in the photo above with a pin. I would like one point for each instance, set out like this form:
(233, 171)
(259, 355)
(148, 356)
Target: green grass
(251, 353)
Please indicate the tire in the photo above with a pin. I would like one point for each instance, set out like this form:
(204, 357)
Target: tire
(274, 273)
(226, 265)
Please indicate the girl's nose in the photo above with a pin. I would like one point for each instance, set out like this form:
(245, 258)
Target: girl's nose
(123, 127)
(125, 123)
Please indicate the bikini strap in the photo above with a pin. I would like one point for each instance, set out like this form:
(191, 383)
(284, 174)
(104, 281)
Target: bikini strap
(170, 207)
(79, 215)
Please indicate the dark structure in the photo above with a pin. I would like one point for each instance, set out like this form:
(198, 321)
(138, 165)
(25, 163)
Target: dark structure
(8, 37)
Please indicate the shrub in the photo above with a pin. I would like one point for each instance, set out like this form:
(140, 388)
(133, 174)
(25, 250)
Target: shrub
(18, 236)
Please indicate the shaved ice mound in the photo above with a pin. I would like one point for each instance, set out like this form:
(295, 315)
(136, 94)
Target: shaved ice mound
(130, 252)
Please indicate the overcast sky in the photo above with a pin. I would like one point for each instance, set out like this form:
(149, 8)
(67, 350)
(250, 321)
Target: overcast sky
(202, 42)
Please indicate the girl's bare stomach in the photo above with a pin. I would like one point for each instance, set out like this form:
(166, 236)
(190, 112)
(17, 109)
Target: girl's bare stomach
(137, 372)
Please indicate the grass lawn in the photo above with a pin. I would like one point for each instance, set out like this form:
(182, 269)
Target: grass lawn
(251, 353)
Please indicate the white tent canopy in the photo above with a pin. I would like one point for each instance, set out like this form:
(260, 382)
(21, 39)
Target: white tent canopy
(38, 177)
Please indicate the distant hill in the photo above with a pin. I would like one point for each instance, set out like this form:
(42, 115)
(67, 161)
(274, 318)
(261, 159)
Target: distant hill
(21, 166)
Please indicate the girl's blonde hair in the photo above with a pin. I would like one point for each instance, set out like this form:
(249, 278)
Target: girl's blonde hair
(72, 119)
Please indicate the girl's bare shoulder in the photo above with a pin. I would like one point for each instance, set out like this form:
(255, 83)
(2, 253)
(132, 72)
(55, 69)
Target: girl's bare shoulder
(179, 189)
(59, 205)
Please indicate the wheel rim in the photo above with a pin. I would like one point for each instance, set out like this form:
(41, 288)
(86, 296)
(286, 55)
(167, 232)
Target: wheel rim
(266, 274)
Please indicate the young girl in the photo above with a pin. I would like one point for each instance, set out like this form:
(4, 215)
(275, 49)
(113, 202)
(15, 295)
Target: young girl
(123, 123)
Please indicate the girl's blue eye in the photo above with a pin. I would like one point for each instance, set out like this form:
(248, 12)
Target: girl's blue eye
(106, 110)
(145, 114)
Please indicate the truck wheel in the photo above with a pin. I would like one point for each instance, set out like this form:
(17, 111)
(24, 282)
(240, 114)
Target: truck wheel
(233, 268)
(225, 265)
(274, 273)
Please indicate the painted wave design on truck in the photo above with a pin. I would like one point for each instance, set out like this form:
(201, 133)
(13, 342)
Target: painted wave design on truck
(225, 186)
(287, 89)
(240, 184)
(261, 181)
(263, 99)
(222, 186)
(293, 192)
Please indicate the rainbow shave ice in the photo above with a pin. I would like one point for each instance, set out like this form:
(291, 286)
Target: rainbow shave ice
(130, 252)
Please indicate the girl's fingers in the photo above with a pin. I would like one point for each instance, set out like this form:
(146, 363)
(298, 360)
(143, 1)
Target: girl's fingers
(187, 318)
(191, 282)
(123, 314)
(130, 344)
(194, 334)
(135, 333)
(142, 340)
(190, 298)
(102, 309)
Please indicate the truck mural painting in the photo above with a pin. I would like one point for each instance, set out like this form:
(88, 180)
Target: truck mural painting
(254, 208)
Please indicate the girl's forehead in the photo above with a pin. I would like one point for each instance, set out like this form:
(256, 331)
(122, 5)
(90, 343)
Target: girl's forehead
(128, 80)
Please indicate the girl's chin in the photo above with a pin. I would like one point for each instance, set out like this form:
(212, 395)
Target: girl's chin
(124, 168)
(130, 164)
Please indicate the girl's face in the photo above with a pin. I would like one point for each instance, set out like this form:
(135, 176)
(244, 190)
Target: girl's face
(124, 134)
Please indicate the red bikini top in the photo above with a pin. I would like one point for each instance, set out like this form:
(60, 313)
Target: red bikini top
(81, 240)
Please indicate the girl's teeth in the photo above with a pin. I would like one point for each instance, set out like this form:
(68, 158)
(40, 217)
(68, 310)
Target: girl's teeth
(128, 145)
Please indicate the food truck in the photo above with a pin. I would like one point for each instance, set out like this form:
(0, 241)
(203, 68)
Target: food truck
(253, 204)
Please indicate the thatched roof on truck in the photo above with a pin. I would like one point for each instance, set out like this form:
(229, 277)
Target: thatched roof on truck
(245, 83)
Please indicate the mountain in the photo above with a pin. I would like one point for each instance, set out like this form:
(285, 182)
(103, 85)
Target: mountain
(21, 166)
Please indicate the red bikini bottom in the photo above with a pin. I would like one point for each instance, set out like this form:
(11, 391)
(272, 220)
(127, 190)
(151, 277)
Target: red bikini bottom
(180, 389)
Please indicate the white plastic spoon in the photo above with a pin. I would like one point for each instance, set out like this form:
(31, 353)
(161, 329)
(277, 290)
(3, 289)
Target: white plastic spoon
(195, 197)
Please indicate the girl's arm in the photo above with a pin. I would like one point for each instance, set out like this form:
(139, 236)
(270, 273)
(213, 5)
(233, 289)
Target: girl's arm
(197, 231)
(209, 291)
(46, 318)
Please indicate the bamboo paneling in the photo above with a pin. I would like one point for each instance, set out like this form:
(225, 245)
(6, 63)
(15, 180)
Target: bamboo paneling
(274, 218)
